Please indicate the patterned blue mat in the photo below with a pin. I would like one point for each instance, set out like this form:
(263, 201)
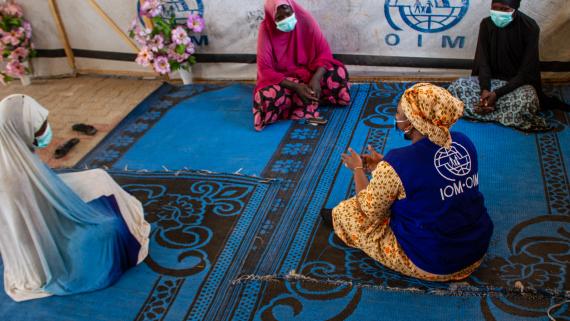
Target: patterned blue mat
(276, 261)
(202, 225)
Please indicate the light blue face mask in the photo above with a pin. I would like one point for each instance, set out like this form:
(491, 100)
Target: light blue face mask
(287, 24)
(44, 140)
(402, 133)
(501, 19)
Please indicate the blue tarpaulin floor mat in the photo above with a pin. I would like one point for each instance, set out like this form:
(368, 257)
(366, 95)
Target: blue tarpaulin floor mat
(202, 127)
(235, 247)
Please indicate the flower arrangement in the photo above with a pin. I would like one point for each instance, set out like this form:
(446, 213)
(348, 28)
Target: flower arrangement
(167, 46)
(15, 42)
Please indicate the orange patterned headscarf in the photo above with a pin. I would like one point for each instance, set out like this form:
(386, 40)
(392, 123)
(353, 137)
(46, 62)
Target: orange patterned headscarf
(432, 110)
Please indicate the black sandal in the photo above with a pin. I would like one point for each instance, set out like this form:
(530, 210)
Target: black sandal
(62, 150)
(85, 129)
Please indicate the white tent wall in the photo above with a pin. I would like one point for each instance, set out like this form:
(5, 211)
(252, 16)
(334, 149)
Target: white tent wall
(372, 36)
(45, 37)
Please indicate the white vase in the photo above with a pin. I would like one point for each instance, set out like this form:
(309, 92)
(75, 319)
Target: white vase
(186, 76)
(26, 80)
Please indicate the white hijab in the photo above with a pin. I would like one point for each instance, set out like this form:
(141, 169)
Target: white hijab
(38, 207)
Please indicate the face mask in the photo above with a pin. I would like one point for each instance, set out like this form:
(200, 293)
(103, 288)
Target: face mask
(405, 135)
(501, 19)
(287, 24)
(44, 140)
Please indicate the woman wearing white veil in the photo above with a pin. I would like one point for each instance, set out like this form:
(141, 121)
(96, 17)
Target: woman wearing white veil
(59, 234)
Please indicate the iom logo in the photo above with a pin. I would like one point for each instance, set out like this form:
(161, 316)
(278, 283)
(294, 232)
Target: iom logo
(428, 16)
(181, 8)
(453, 162)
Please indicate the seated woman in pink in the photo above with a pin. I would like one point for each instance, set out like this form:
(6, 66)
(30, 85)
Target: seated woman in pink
(295, 67)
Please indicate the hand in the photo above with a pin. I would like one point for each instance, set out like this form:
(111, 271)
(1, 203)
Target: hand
(492, 100)
(351, 159)
(371, 160)
(486, 103)
(483, 101)
(315, 85)
(306, 94)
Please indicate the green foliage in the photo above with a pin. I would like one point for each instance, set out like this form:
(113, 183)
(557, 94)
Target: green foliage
(10, 23)
(161, 26)
(174, 65)
(180, 49)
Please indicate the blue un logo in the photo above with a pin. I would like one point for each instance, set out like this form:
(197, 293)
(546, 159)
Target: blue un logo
(428, 16)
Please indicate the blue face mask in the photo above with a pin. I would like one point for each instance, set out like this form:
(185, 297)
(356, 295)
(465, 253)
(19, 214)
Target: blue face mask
(287, 24)
(402, 133)
(44, 140)
(501, 19)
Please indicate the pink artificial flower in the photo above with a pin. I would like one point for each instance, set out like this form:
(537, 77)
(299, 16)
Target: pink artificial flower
(156, 43)
(144, 57)
(151, 8)
(15, 69)
(182, 58)
(173, 55)
(179, 36)
(190, 49)
(16, 36)
(141, 35)
(12, 9)
(7, 38)
(28, 29)
(161, 65)
(195, 22)
(143, 32)
(141, 41)
(19, 54)
(133, 25)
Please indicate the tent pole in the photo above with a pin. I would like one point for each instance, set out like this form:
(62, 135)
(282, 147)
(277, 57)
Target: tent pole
(115, 27)
(63, 35)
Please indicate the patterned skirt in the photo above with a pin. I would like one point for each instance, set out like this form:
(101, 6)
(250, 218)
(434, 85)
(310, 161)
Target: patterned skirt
(517, 109)
(375, 238)
(276, 102)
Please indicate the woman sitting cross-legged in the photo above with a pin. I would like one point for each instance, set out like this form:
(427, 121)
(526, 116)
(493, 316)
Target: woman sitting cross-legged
(422, 213)
(295, 67)
(59, 234)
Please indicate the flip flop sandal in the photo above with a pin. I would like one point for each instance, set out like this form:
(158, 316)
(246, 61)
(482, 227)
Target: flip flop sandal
(62, 150)
(317, 121)
(85, 129)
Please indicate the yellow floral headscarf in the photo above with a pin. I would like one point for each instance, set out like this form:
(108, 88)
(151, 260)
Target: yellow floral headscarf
(432, 110)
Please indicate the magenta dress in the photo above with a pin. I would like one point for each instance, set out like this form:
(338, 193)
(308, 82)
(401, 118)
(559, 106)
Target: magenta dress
(295, 56)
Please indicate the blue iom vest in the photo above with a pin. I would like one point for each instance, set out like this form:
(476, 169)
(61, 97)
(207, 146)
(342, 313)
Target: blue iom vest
(442, 225)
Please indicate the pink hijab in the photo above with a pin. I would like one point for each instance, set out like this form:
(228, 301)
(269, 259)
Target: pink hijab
(298, 53)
